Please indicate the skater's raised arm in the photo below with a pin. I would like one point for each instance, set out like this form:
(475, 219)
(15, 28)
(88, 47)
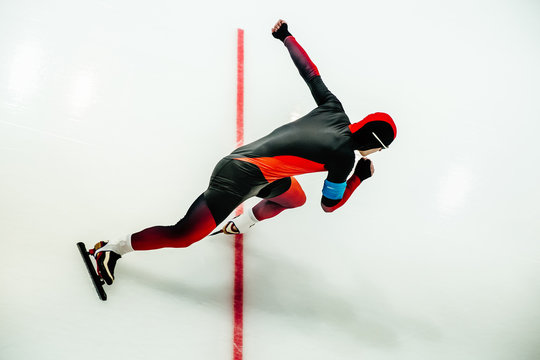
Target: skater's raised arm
(335, 195)
(305, 66)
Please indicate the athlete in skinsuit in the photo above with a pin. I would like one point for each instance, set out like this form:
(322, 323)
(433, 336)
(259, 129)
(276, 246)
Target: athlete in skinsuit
(322, 140)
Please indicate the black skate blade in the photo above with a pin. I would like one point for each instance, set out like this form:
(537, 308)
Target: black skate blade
(98, 282)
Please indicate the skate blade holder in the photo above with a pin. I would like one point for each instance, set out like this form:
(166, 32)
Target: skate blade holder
(96, 279)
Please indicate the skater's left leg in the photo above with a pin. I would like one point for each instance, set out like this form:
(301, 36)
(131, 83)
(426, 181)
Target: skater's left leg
(205, 213)
(230, 184)
(201, 218)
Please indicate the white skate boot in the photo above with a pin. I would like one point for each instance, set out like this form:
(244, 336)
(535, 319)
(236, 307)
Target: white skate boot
(239, 224)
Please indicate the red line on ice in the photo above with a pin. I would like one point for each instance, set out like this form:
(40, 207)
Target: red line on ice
(238, 297)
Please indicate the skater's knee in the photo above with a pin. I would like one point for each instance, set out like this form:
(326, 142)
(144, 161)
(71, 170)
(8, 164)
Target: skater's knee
(186, 233)
(297, 195)
(299, 199)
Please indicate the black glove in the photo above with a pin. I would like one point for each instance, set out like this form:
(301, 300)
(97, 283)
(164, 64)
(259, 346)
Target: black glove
(363, 169)
(282, 32)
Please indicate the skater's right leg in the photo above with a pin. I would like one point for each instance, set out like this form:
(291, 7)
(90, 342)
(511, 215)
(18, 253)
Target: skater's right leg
(278, 196)
(279, 199)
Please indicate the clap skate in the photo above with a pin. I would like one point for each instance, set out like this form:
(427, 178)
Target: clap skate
(96, 279)
(105, 263)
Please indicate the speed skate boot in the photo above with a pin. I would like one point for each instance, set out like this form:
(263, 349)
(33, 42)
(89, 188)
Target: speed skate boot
(240, 224)
(106, 261)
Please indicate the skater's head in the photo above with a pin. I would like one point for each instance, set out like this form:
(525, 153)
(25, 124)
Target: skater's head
(375, 132)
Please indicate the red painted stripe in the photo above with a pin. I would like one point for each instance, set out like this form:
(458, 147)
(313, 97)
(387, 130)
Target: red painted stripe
(240, 90)
(238, 296)
(238, 301)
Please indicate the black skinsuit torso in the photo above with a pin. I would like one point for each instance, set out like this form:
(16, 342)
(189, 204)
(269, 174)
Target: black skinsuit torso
(318, 141)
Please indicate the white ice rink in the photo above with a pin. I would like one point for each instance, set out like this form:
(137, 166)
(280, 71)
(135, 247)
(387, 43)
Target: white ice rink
(113, 114)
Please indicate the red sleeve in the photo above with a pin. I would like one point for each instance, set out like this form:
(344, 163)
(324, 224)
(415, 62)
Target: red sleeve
(353, 182)
(301, 59)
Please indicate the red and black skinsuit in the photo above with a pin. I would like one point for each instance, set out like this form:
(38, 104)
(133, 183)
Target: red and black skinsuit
(319, 141)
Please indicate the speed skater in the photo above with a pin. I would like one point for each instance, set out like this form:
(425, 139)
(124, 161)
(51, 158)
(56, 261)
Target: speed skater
(322, 140)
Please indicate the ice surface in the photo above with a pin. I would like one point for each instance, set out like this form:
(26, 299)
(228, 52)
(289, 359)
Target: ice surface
(112, 115)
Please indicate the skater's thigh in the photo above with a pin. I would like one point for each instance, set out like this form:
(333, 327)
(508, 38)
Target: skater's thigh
(286, 193)
(232, 182)
(275, 188)
(221, 203)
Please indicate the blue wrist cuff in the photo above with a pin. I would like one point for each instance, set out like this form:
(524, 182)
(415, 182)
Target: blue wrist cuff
(333, 191)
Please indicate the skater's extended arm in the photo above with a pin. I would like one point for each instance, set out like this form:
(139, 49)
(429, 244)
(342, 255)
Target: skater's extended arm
(335, 194)
(305, 66)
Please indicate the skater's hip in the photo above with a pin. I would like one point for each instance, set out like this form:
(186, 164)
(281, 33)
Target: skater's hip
(238, 178)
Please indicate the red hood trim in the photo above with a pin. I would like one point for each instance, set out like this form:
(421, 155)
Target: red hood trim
(378, 116)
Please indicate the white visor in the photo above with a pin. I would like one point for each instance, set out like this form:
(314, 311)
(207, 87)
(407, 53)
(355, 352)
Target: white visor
(376, 137)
